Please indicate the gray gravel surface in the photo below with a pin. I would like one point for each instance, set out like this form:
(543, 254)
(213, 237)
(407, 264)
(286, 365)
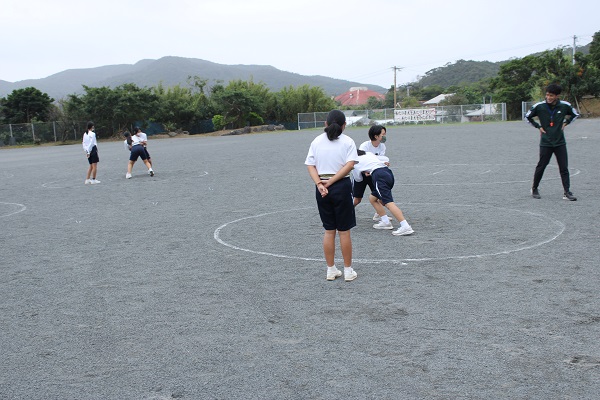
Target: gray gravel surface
(207, 281)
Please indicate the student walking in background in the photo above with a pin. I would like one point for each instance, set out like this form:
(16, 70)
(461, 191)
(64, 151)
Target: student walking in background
(554, 115)
(91, 151)
(330, 159)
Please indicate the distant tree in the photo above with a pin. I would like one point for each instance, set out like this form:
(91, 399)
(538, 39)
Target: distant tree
(373, 103)
(514, 83)
(238, 99)
(112, 110)
(26, 105)
(290, 101)
(595, 50)
(428, 92)
(180, 106)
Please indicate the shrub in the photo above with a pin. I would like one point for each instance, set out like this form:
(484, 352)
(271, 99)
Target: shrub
(219, 122)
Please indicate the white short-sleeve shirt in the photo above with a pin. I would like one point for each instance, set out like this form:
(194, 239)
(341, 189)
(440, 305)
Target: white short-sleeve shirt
(329, 156)
(368, 147)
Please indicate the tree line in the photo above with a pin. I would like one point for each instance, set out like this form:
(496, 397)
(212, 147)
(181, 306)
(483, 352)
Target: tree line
(234, 105)
(239, 103)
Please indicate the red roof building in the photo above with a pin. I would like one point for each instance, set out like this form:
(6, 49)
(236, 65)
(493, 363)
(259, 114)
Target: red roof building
(358, 96)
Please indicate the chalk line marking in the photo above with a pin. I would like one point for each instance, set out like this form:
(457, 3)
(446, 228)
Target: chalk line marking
(22, 208)
(560, 229)
(575, 172)
(48, 185)
(439, 172)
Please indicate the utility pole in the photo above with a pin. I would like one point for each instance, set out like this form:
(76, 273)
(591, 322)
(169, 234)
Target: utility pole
(395, 69)
(574, 47)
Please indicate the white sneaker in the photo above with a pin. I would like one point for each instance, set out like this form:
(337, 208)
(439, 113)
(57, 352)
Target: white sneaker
(403, 231)
(332, 275)
(94, 181)
(350, 276)
(382, 225)
(376, 217)
(128, 176)
(88, 182)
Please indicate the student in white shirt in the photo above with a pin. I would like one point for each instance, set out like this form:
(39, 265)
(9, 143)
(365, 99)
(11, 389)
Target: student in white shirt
(136, 145)
(330, 159)
(383, 182)
(377, 136)
(137, 130)
(91, 151)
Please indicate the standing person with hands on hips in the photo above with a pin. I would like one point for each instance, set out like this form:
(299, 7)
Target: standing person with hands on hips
(91, 151)
(554, 115)
(330, 159)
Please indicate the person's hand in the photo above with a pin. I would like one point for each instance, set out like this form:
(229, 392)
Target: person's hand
(322, 189)
(87, 155)
(542, 131)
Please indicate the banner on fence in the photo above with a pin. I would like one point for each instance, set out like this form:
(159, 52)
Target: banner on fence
(414, 115)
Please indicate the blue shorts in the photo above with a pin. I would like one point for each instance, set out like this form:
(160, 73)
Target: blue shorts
(359, 187)
(138, 151)
(383, 180)
(337, 208)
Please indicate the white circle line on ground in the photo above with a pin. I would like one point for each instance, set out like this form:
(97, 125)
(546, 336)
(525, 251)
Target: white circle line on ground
(23, 208)
(559, 224)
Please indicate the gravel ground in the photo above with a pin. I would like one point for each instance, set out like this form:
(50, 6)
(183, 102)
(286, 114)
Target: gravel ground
(207, 281)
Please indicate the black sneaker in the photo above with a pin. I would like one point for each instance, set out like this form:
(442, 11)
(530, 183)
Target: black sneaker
(535, 193)
(569, 196)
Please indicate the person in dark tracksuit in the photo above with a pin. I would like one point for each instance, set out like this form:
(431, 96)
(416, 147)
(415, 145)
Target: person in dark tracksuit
(554, 115)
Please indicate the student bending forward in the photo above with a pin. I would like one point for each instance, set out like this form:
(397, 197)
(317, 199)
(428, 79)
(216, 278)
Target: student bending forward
(383, 181)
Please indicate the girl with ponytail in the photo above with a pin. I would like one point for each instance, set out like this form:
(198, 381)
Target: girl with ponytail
(330, 159)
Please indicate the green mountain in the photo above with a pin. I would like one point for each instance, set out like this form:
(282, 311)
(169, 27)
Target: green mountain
(466, 72)
(172, 71)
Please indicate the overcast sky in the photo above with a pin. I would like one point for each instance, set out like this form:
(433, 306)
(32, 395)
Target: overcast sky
(346, 39)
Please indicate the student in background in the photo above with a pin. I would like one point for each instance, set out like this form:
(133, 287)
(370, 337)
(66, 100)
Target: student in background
(91, 151)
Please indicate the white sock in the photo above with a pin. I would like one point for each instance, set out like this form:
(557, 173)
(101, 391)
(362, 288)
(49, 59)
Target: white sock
(404, 223)
(347, 270)
(385, 219)
(331, 269)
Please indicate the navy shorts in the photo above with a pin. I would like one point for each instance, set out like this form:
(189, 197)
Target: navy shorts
(138, 151)
(383, 180)
(94, 158)
(359, 187)
(337, 208)
(147, 154)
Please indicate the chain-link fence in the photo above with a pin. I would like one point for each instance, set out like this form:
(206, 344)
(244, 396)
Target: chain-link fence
(389, 116)
(525, 106)
(41, 132)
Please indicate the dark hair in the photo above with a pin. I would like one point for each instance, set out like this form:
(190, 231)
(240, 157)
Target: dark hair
(90, 125)
(335, 121)
(137, 129)
(375, 130)
(128, 137)
(554, 88)
(361, 152)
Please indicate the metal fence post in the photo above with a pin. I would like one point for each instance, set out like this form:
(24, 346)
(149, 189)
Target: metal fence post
(10, 129)
(54, 128)
(32, 132)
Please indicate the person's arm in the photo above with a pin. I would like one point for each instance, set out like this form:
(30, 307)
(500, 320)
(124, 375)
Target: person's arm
(342, 173)
(529, 117)
(314, 174)
(574, 115)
